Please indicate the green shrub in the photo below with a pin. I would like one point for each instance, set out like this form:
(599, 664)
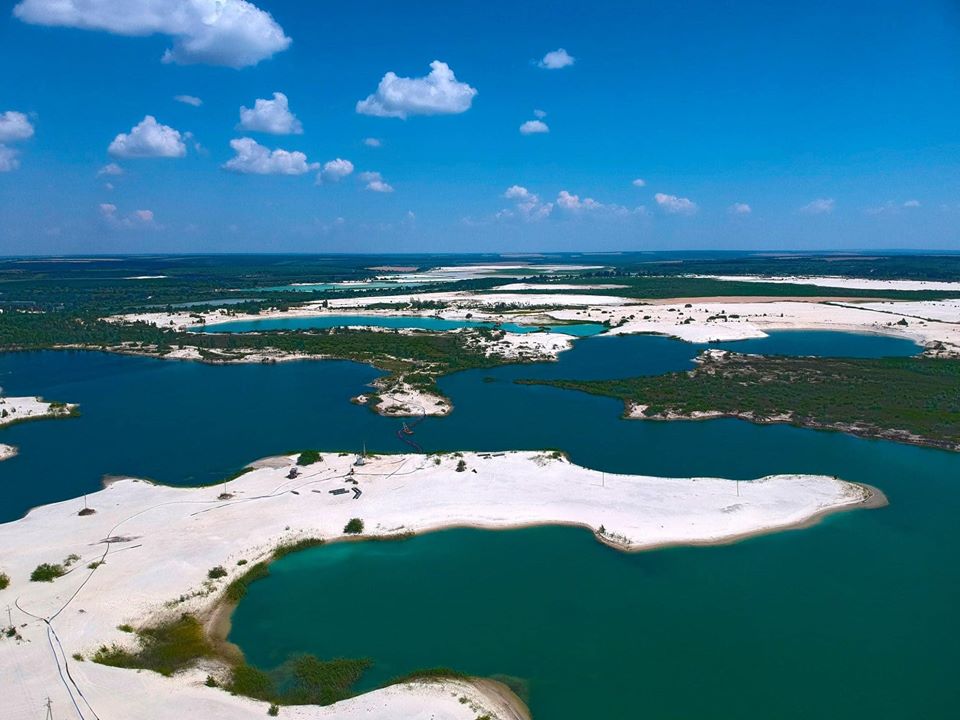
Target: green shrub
(211, 681)
(78, 657)
(273, 711)
(461, 465)
(4, 581)
(125, 628)
(217, 572)
(353, 527)
(309, 457)
(46, 572)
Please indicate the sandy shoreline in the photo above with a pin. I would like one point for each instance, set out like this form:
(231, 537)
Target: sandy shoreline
(158, 543)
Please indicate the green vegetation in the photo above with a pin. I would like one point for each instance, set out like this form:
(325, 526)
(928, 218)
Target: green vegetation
(47, 572)
(353, 527)
(4, 581)
(913, 399)
(302, 680)
(461, 465)
(309, 457)
(125, 628)
(296, 546)
(164, 648)
(238, 587)
(215, 573)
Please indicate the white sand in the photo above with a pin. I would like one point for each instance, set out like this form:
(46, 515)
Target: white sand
(170, 537)
(7, 451)
(513, 287)
(841, 282)
(13, 409)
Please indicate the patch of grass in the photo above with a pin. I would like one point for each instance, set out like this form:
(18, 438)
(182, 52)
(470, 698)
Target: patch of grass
(238, 587)
(125, 628)
(78, 657)
(47, 572)
(353, 527)
(164, 648)
(296, 546)
(309, 457)
(436, 673)
(95, 564)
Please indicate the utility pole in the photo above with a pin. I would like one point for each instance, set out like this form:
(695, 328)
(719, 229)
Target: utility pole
(9, 615)
(49, 707)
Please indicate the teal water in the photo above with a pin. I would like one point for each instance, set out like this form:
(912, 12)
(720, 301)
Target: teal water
(135, 410)
(853, 618)
(396, 322)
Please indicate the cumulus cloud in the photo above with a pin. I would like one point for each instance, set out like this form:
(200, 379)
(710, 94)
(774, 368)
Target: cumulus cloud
(372, 142)
(534, 127)
(639, 182)
(253, 158)
(110, 169)
(575, 204)
(14, 126)
(740, 209)
(188, 100)
(556, 59)
(235, 33)
(8, 159)
(271, 116)
(891, 208)
(375, 182)
(335, 170)
(439, 93)
(136, 219)
(912, 204)
(820, 206)
(527, 205)
(675, 205)
(148, 139)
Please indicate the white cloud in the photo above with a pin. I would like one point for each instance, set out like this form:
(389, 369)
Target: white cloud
(820, 206)
(912, 204)
(539, 114)
(254, 159)
(14, 126)
(568, 201)
(675, 205)
(372, 142)
(740, 209)
(335, 170)
(235, 33)
(375, 182)
(271, 116)
(527, 206)
(439, 93)
(534, 127)
(188, 100)
(556, 59)
(639, 182)
(8, 159)
(148, 139)
(138, 218)
(110, 169)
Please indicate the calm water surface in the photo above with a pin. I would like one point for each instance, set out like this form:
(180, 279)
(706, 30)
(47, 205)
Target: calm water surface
(853, 618)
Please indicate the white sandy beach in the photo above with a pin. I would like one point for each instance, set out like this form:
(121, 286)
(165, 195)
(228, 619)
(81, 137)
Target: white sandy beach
(15, 409)
(158, 543)
(841, 282)
(7, 451)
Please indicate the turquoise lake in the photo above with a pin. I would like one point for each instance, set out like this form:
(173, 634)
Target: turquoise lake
(855, 617)
(396, 322)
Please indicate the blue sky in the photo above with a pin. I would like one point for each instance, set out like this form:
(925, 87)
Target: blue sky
(813, 125)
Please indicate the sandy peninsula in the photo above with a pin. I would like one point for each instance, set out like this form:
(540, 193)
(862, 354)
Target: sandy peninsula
(19, 409)
(7, 451)
(157, 543)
